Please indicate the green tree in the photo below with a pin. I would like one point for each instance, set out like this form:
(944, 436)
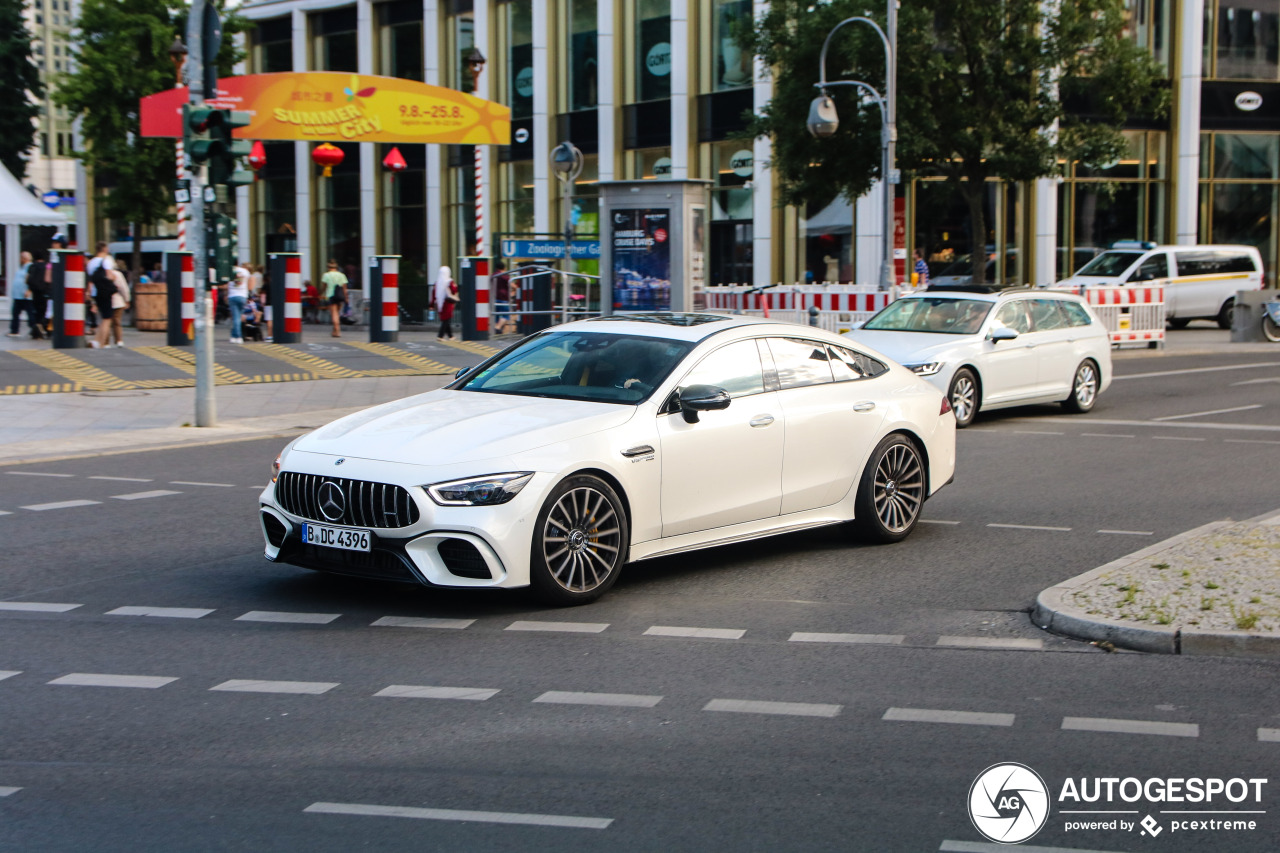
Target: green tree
(1008, 89)
(18, 74)
(123, 56)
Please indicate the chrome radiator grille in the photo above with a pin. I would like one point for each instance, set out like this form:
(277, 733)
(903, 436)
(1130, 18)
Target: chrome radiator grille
(354, 503)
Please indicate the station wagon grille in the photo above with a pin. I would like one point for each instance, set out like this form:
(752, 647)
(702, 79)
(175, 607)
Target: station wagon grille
(364, 504)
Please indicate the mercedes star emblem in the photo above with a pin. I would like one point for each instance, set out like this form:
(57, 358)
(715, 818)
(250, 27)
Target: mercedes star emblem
(340, 461)
(333, 503)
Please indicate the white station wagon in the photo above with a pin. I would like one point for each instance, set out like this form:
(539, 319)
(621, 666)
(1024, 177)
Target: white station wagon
(994, 350)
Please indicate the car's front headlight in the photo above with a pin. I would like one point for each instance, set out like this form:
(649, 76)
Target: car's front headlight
(275, 466)
(927, 369)
(480, 491)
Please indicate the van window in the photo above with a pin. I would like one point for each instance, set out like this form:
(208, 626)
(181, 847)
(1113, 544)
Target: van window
(1109, 264)
(1213, 262)
(1156, 266)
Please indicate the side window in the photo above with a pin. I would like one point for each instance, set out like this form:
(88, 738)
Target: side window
(734, 367)
(1045, 315)
(1076, 315)
(1239, 262)
(1013, 315)
(799, 362)
(848, 365)
(1156, 266)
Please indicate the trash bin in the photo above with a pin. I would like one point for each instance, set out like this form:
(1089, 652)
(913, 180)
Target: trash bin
(151, 306)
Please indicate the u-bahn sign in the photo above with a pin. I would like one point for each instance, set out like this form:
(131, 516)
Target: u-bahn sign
(328, 106)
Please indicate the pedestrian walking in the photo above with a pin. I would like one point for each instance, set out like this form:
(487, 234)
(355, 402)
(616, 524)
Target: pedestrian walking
(310, 303)
(112, 308)
(446, 296)
(20, 297)
(98, 294)
(334, 283)
(237, 296)
(40, 302)
(502, 301)
(921, 270)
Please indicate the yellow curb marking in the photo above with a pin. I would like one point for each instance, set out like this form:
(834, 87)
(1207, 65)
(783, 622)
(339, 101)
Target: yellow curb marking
(79, 372)
(421, 365)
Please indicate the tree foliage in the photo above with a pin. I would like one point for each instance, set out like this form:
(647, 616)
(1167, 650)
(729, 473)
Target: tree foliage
(1009, 89)
(18, 74)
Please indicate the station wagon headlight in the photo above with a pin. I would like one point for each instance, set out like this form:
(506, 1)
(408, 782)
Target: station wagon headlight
(480, 491)
(927, 369)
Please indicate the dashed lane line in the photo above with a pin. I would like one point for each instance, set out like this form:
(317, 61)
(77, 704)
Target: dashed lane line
(611, 700)
(1178, 438)
(417, 362)
(788, 709)
(1237, 427)
(5, 512)
(698, 633)
(992, 643)
(1194, 370)
(1031, 527)
(142, 496)
(10, 673)
(422, 622)
(567, 627)
(1130, 727)
(962, 718)
(1104, 435)
(1129, 532)
(566, 821)
(79, 373)
(102, 679)
(35, 474)
(196, 483)
(162, 612)
(938, 521)
(1269, 735)
(6, 791)
(412, 691)
(117, 479)
(1210, 412)
(247, 685)
(293, 618)
(60, 505)
(857, 639)
(1249, 441)
(38, 606)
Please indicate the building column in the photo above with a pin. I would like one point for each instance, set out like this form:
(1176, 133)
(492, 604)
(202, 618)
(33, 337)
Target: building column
(302, 153)
(435, 201)
(868, 229)
(542, 141)
(762, 203)
(244, 217)
(485, 161)
(680, 78)
(368, 151)
(1045, 272)
(1190, 65)
(606, 74)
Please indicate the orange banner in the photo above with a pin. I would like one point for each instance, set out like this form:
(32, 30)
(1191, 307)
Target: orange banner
(328, 106)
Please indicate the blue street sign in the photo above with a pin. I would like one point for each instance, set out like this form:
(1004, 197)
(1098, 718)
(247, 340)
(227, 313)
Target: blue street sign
(51, 198)
(549, 250)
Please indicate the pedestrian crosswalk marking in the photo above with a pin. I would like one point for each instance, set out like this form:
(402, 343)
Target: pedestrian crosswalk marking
(82, 373)
(417, 362)
(321, 368)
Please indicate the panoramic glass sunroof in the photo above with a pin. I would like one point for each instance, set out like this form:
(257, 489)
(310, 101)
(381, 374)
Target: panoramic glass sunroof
(667, 319)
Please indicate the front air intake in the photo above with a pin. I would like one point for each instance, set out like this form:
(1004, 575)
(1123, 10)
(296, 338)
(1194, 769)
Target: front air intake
(463, 559)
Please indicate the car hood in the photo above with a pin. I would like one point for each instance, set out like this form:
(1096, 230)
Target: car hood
(445, 427)
(910, 347)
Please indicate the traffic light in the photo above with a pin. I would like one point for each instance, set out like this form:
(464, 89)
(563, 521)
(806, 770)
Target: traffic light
(224, 166)
(221, 245)
(196, 138)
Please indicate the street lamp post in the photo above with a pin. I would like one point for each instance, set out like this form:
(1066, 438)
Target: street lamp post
(566, 162)
(823, 121)
(475, 64)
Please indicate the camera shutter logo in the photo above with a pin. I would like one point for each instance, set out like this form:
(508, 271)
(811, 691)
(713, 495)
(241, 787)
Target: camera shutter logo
(333, 503)
(1008, 803)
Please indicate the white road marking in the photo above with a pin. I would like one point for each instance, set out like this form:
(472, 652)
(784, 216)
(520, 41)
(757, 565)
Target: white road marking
(99, 679)
(411, 691)
(571, 627)
(1035, 432)
(9, 673)
(166, 612)
(419, 622)
(567, 821)
(1256, 381)
(869, 639)
(937, 521)
(249, 685)
(1269, 735)
(963, 718)
(791, 709)
(1104, 435)
(35, 474)
(1130, 727)
(614, 700)
(1031, 527)
(1177, 438)
(60, 505)
(38, 606)
(700, 633)
(1248, 441)
(296, 618)
(123, 479)
(1210, 412)
(192, 483)
(1180, 424)
(1129, 532)
(992, 642)
(6, 791)
(141, 496)
(983, 847)
(5, 512)
(1194, 370)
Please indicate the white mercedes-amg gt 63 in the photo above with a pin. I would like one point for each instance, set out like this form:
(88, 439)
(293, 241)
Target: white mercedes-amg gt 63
(609, 441)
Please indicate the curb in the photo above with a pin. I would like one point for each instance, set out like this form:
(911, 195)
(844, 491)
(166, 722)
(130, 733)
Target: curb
(1054, 612)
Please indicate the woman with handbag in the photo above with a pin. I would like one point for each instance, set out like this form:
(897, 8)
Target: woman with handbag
(334, 284)
(446, 296)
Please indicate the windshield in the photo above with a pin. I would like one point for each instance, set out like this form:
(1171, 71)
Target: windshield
(593, 366)
(1109, 264)
(938, 316)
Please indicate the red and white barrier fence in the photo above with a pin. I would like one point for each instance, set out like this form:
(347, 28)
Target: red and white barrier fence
(188, 309)
(1133, 315)
(839, 305)
(293, 295)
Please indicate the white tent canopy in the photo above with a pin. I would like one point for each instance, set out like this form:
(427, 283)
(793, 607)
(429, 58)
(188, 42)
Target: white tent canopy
(19, 207)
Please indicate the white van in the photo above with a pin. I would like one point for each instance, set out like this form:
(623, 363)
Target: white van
(1200, 282)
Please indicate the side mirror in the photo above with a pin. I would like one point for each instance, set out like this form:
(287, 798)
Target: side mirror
(701, 398)
(462, 371)
(1004, 333)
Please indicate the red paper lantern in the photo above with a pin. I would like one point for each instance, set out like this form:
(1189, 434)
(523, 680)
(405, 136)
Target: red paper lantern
(394, 162)
(328, 156)
(257, 155)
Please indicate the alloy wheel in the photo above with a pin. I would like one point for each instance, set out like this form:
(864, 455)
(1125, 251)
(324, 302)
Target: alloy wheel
(582, 539)
(1086, 386)
(964, 397)
(899, 487)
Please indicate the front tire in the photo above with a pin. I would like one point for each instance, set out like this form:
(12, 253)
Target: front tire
(1084, 388)
(1227, 314)
(891, 492)
(1178, 322)
(580, 542)
(963, 396)
(1270, 330)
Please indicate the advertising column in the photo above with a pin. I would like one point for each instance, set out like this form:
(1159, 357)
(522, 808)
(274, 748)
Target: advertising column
(641, 242)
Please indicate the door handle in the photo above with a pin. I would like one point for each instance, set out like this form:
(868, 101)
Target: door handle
(864, 406)
(762, 420)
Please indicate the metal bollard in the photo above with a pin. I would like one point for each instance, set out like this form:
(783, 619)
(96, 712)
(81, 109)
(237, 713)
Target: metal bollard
(814, 313)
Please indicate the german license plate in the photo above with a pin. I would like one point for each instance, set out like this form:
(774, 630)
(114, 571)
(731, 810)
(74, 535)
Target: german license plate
(346, 538)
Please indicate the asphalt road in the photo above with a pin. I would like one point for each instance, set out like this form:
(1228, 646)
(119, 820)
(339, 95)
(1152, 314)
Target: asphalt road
(833, 697)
